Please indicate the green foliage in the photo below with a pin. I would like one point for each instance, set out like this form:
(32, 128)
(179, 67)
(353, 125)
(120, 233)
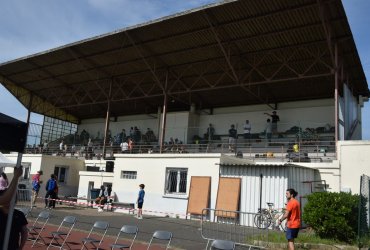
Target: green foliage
(333, 215)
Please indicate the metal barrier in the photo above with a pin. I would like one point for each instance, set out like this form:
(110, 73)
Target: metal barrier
(24, 198)
(235, 226)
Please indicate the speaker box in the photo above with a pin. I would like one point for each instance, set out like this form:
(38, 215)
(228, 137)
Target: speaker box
(13, 134)
(109, 167)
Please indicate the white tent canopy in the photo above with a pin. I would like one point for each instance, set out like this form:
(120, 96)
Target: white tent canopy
(5, 162)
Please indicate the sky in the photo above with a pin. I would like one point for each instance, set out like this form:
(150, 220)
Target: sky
(28, 27)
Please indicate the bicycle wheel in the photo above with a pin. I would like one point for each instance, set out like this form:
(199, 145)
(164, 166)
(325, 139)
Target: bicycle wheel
(262, 221)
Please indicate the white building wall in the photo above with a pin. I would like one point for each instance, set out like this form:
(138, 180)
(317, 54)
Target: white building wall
(274, 184)
(47, 163)
(354, 162)
(151, 171)
(315, 113)
(95, 178)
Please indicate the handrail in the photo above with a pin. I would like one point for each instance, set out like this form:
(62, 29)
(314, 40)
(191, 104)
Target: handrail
(261, 150)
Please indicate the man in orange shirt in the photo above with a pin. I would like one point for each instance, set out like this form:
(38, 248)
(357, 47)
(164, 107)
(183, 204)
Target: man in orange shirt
(293, 214)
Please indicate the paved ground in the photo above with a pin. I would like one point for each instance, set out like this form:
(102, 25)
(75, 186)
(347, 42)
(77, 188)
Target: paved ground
(186, 233)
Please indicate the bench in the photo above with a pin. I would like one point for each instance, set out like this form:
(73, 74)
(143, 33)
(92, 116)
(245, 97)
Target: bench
(126, 205)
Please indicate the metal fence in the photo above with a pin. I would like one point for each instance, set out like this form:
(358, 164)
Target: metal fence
(364, 212)
(235, 226)
(24, 198)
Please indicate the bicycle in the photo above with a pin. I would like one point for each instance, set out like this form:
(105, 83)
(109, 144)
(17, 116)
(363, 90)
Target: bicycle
(268, 216)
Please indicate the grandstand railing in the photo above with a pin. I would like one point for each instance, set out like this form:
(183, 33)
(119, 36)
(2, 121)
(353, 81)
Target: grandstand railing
(261, 149)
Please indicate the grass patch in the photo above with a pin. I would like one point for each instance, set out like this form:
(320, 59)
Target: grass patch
(303, 237)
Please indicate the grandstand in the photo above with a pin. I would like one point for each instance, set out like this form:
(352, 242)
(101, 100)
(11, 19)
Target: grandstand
(220, 64)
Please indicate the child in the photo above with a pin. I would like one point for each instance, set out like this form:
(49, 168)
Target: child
(140, 201)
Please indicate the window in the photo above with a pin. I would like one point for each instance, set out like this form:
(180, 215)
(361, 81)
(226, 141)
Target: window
(61, 172)
(176, 180)
(129, 175)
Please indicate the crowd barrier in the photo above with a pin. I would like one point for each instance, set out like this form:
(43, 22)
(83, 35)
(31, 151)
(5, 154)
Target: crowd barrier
(235, 226)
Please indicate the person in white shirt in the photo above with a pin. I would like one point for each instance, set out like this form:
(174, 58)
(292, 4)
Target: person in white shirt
(124, 147)
(247, 130)
(61, 147)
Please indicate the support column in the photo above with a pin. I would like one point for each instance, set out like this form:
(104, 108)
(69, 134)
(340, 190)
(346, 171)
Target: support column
(163, 125)
(18, 164)
(159, 115)
(336, 93)
(107, 120)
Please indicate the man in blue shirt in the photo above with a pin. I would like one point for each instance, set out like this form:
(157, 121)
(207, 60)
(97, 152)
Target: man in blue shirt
(140, 201)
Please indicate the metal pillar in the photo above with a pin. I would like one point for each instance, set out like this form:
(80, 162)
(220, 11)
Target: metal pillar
(159, 114)
(12, 202)
(163, 125)
(336, 92)
(107, 120)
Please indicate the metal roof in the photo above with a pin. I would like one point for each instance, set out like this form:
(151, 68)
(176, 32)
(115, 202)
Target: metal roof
(224, 54)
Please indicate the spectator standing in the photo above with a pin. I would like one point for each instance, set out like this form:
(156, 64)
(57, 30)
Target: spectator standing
(247, 130)
(89, 149)
(210, 132)
(124, 147)
(268, 130)
(275, 119)
(3, 181)
(140, 201)
(45, 147)
(130, 145)
(132, 132)
(36, 183)
(18, 232)
(51, 187)
(293, 215)
(123, 136)
(61, 147)
(233, 134)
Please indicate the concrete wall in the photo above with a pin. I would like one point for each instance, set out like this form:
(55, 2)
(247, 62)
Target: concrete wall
(354, 161)
(95, 178)
(47, 164)
(151, 170)
(304, 113)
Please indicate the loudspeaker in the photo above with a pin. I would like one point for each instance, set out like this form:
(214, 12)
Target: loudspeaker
(13, 134)
(109, 166)
(92, 168)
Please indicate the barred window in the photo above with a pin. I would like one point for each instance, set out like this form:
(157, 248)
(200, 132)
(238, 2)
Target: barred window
(176, 180)
(61, 173)
(129, 175)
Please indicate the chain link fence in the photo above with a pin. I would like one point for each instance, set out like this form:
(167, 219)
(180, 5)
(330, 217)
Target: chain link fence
(364, 212)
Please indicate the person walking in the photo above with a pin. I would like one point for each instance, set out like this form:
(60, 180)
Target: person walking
(293, 215)
(50, 197)
(140, 201)
(36, 183)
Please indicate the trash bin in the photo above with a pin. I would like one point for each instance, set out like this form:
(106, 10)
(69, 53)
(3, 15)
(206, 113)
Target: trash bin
(94, 193)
